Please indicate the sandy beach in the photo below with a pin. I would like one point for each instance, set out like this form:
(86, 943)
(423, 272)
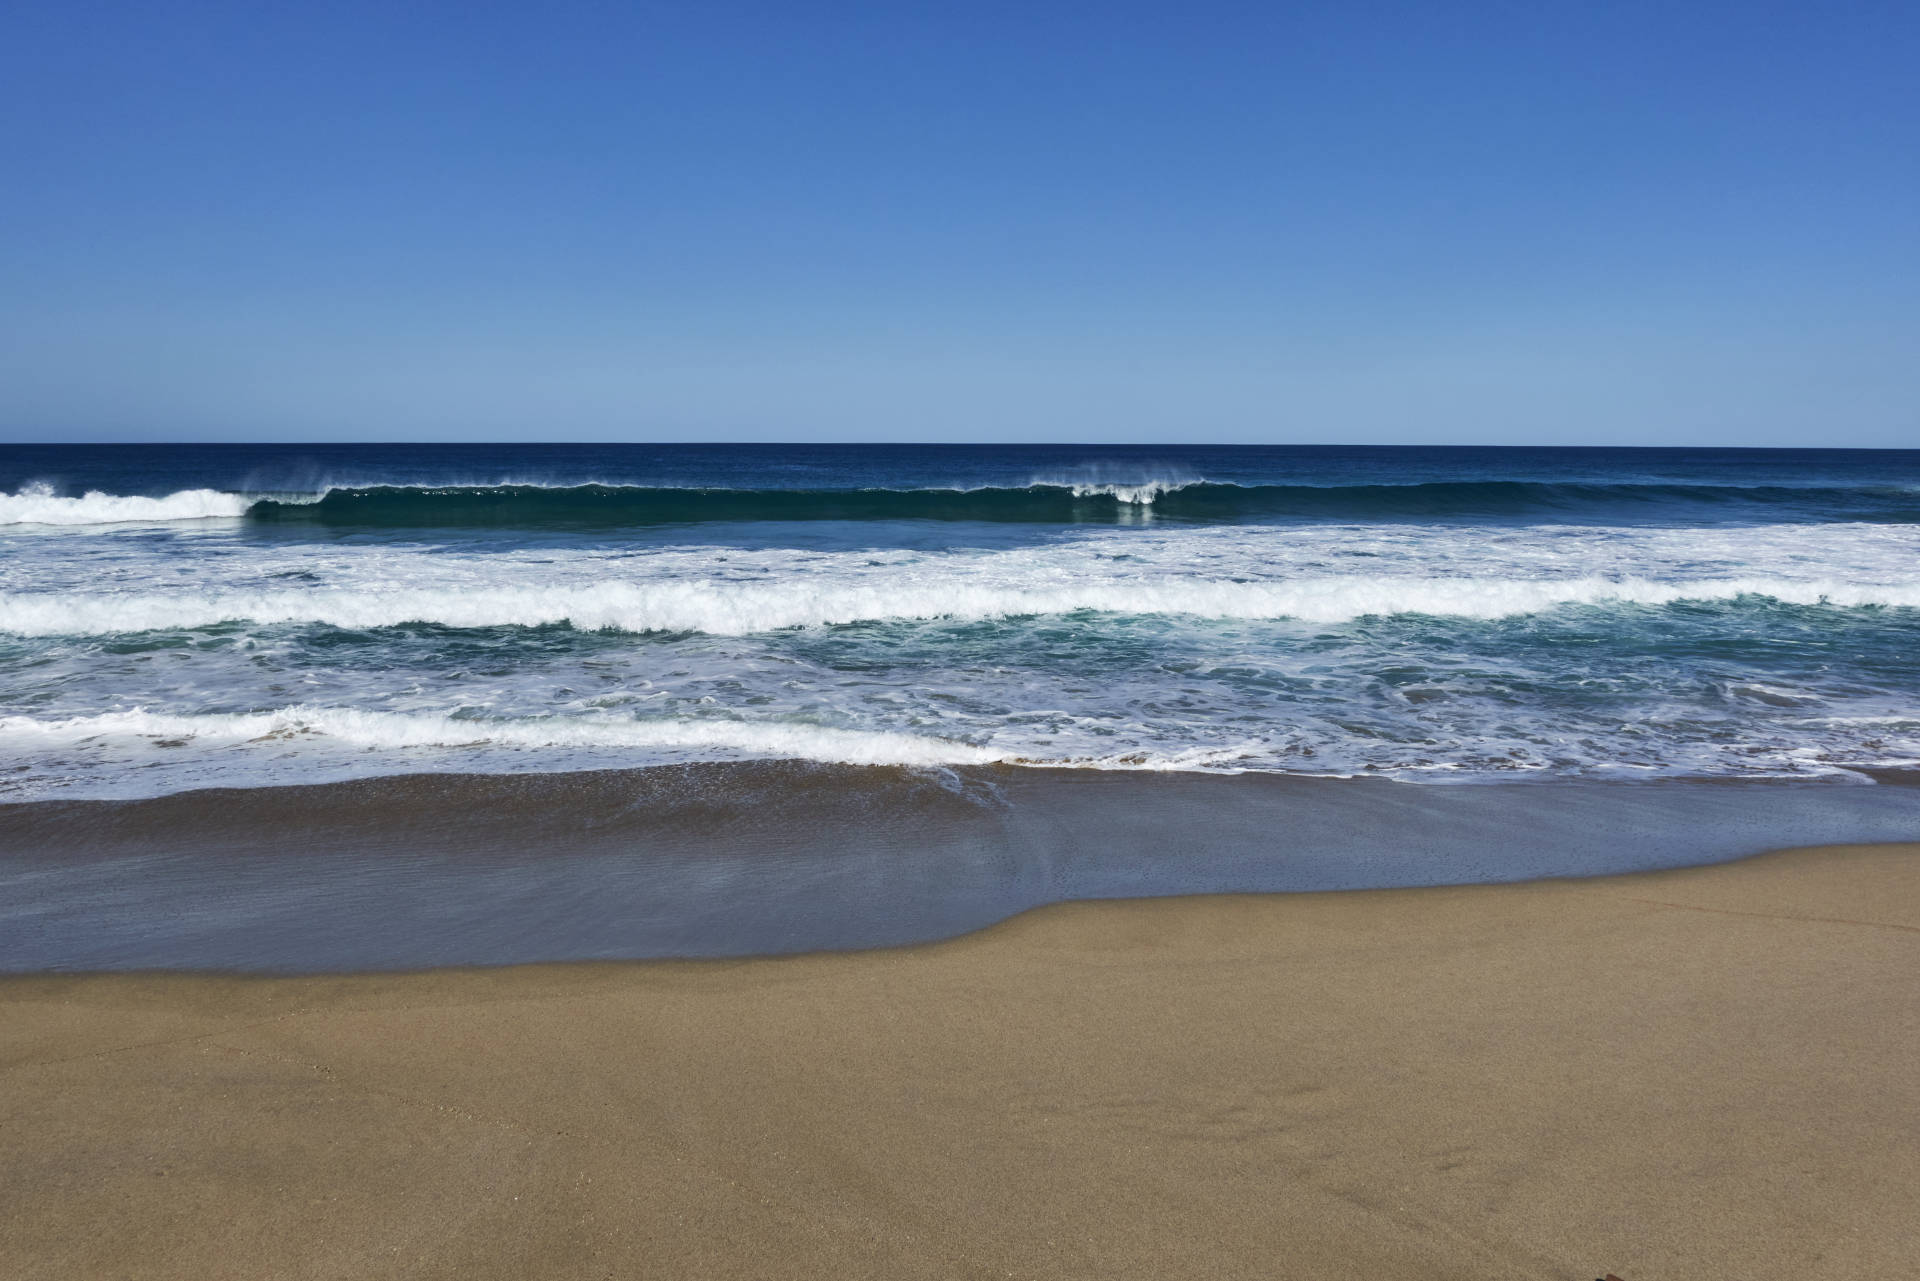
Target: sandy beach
(1673, 1076)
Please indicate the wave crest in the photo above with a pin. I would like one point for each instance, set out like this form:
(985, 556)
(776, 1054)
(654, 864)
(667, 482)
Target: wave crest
(37, 504)
(1046, 500)
(1077, 500)
(737, 609)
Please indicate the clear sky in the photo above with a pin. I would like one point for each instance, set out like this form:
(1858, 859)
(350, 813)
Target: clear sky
(1673, 223)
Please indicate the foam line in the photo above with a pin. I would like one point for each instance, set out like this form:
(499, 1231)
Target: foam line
(398, 730)
(736, 609)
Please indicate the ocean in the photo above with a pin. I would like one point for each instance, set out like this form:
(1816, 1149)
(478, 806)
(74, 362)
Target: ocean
(966, 619)
(175, 617)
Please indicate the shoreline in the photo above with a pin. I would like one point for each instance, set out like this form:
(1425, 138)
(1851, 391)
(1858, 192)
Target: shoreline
(1691, 1073)
(415, 872)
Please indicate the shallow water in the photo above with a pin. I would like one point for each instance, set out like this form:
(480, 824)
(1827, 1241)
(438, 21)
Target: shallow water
(746, 858)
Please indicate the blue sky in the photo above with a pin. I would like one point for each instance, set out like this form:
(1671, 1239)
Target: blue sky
(1479, 223)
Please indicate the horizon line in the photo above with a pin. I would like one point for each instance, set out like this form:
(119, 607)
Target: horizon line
(943, 444)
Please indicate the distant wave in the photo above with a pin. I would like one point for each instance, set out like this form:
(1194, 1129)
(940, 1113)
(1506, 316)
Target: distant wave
(1066, 501)
(39, 505)
(735, 608)
(612, 506)
(391, 730)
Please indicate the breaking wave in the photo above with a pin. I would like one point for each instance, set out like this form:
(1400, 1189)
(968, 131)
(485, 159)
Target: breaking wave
(736, 608)
(1050, 501)
(39, 505)
(1069, 502)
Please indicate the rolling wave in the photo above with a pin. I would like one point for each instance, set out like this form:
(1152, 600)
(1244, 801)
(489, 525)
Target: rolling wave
(601, 506)
(1068, 503)
(738, 609)
(614, 506)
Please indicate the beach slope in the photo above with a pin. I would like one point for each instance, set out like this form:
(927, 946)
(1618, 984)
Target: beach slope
(1672, 1076)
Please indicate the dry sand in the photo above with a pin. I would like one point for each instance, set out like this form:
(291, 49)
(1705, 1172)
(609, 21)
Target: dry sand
(1686, 1075)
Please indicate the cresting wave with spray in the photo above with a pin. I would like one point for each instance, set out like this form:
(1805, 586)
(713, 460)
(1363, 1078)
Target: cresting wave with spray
(597, 505)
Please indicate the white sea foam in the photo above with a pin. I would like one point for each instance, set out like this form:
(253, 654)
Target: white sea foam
(1159, 674)
(731, 608)
(1127, 485)
(37, 504)
(1141, 495)
(389, 731)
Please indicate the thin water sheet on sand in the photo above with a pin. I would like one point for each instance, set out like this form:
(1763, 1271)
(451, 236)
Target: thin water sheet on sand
(754, 858)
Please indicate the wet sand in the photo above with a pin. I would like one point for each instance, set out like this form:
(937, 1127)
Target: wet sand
(1678, 1075)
